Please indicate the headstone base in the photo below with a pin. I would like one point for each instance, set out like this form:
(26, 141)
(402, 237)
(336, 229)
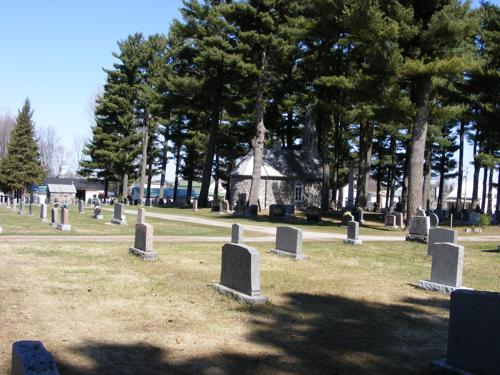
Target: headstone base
(416, 238)
(254, 300)
(391, 227)
(54, 225)
(146, 255)
(99, 217)
(119, 222)
(446, 289)
(287, 254)
(352, 242)
(440, 367)
(64, 227)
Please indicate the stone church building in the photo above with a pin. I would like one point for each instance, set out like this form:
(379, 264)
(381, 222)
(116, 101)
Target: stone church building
(288, 176)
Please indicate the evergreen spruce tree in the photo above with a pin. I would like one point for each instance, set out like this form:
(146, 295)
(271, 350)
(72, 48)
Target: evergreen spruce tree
(22, 167)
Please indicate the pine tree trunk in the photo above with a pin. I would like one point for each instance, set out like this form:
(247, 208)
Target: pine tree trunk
(142, 180)
(177, 168)
(325, 183)
(150, 179)
(485, 185)
(164, 161)
(379, 183)
(217, 171)
(497, 209)
(106, 188)
(289, 130)
(365, 156)
(490, 193)
(404, 188)
(475, 181)
(393, 169)
(209, 158)
(458, 201)
(441, 182)
(125, 188)
(417, 144)
(426, 187)
(189, 191)
(258, 140)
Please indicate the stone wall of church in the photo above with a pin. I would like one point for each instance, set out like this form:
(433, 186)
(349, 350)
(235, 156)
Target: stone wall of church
(277, 191)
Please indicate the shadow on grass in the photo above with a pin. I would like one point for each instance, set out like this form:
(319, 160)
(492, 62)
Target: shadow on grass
(309, 334)
(431, 302)
(491, 251)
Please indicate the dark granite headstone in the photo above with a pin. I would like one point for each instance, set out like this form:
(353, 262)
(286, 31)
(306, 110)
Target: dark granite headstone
(31, 358)
(240, 273)
(474, 333)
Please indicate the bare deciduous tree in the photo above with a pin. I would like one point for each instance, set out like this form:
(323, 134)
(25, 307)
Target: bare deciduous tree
(7, 123)
(53, 155)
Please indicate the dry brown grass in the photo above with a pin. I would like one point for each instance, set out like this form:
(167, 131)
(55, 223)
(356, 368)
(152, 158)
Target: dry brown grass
(344, 310)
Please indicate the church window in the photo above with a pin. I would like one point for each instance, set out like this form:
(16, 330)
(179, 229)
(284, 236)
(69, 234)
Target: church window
(299, 192)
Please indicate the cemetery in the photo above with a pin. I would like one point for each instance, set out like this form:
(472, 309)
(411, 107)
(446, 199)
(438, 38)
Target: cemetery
(199, 311)
(250, 187)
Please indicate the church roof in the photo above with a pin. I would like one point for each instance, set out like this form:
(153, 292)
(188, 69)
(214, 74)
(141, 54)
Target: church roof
(281, 163)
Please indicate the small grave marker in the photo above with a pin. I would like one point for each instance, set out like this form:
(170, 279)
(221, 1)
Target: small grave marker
(353, 233)
(288, 242)
(237, 233)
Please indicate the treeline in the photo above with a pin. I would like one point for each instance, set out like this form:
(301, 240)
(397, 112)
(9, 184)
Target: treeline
(394, 87)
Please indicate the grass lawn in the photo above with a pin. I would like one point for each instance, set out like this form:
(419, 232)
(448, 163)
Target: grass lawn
(84, 224)
(345, 310)
(327, 225)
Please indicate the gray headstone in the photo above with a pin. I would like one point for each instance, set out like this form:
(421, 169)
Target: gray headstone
(474, 332)
(195, 205)
(141, 215)
(118, 214)
(438, 235)
(390, 221)
(31, 358)
(43, 211)
(352, 233)
(143, 245)
(434, 219)
(419, 228)
(447, 268)
(288, 242)
(240, 273)
(237, 233)
(30, 209)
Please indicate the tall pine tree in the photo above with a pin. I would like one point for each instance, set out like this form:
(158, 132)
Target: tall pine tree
(22, 167)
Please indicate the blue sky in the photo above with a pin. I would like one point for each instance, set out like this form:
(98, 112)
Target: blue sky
(53, 52)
